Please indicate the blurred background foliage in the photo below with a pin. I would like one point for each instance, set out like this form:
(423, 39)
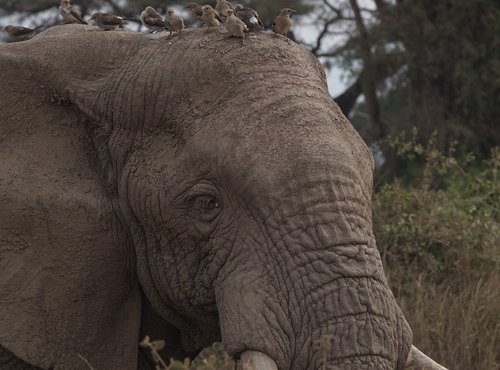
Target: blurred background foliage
(421, 84)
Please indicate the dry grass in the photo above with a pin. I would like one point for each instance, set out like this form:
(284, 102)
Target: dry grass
(458, 329)
(441, 251)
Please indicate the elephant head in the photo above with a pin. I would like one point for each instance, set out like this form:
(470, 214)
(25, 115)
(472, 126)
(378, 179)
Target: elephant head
(191, 189)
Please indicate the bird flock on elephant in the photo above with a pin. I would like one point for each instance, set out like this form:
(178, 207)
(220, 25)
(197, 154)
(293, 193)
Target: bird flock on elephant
(238, 20)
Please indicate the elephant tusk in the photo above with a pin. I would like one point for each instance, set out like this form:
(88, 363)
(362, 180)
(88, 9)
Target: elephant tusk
(419, 361)
(254, 360)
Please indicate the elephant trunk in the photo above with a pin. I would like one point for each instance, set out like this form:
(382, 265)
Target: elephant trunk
(418, 361)
(285, 327)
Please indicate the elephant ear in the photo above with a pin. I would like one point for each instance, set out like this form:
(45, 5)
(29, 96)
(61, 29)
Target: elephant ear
(69, 297)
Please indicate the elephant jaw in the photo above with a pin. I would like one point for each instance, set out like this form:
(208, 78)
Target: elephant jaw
(252, 360)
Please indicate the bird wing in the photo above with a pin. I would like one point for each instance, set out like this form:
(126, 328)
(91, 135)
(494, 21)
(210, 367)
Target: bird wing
(75, 14)
(240, 22)
(198, 12)
(156, 14)
(111, 19)
(256, 15)
(156, 22)
(250, 18)
(217, 16)
(21, 31)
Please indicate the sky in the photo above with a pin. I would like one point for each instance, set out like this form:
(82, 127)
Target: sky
(308, 33)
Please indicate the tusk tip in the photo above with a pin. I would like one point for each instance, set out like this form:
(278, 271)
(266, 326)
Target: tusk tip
(255, 360)
(417, 360)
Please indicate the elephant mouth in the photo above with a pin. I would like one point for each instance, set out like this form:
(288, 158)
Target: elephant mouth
(252, 360)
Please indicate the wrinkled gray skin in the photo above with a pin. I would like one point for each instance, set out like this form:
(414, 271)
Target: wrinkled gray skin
(190, 189)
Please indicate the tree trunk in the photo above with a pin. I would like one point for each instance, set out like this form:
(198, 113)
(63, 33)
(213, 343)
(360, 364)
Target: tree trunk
(368, 83)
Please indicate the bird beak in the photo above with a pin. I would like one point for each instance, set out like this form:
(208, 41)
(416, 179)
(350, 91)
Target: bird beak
(293, 11)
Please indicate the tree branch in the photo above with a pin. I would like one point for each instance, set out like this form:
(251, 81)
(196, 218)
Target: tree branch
(368, 84)
(381, 70)
(347, 99)
(322, 34)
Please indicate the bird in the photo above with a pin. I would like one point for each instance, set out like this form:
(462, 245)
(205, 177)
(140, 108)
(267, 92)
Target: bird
(250, 17)
(152, 20)
(195, 10)
(222, 6)
(107, 21)
(174, 22)
(235, 26)
(19, 33)
(210, 17)
(282, 22)
(69, 14)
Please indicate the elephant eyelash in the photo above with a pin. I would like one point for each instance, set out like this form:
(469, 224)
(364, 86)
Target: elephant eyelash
(205, 202)
(205, 207)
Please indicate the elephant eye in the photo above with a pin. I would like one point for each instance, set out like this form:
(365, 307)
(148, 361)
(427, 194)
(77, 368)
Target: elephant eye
(205, 207)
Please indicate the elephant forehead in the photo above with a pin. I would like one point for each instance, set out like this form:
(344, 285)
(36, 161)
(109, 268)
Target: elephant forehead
(204, 76)
(133, 80)
(313, 143)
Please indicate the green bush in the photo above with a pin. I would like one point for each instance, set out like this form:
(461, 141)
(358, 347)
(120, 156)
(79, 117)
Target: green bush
(440, 243)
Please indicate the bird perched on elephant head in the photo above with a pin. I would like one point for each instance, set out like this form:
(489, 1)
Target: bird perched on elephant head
(195, 10)
(19, 33)
(250, 17)
(211, 17)
(152, 20)
(107, 21)
(235, 26)
(223, 6)
(69, 14)
(174, 22)
(282, 23)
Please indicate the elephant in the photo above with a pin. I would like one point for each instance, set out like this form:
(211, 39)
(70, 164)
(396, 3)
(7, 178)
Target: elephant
(191, 189)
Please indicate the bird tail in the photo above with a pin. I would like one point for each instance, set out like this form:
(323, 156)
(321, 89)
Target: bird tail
(254, 27)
